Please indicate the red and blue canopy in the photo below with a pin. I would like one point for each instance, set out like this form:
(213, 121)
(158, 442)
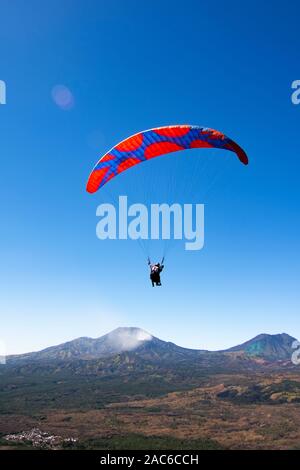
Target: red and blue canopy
(153, 143)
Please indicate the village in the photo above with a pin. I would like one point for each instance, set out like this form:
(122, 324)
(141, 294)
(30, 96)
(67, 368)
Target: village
(40, 439)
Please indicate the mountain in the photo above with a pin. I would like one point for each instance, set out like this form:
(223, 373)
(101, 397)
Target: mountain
(126, 352)
(118, 341)
(129, 348)
(115, 342)
(268, 347)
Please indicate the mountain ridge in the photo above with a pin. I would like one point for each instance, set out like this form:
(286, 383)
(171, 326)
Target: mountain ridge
(271, 347)
(264, 346)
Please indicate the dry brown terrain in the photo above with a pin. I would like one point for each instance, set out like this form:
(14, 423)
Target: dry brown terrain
(194, 414)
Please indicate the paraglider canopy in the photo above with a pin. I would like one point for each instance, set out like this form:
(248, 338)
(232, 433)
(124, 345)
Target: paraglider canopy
(152, 143)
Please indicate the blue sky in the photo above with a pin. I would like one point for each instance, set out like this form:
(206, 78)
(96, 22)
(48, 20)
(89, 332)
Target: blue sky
(132, 66)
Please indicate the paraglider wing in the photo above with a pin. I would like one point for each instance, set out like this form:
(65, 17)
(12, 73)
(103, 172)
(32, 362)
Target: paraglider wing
(153, 143)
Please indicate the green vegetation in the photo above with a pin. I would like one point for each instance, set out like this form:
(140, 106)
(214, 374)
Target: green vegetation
(139, 442)
(285, 391)
(31, 393)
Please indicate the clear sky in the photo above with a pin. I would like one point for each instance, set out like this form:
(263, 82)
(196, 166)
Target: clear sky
(131, 66)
